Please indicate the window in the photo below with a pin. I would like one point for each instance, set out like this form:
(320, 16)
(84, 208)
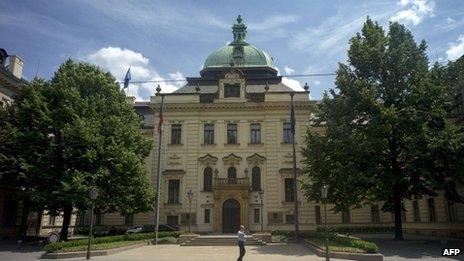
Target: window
(172, 220)
(289, 190)
(81, 219)
(452, 213)
(208, 134)
(317, 210)
(346, 217)
(51, 219)
(207, 216)
(176, 132)
(416, 213)
(173, 191)
(256, 215)
(256, 179)
(129, 219)
(432, 214)
(289, 219)
(207, 97)
(255, 133)
(231, 133)
(288, 138)
(207, 179)
(98, 219)
(375, 214)
(403, 213)
(232, 175)
(231, 90)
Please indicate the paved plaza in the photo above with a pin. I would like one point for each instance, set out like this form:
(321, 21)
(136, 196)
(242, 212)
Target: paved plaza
(277, 251)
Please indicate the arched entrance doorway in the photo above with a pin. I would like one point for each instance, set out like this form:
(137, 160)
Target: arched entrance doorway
(230, 216)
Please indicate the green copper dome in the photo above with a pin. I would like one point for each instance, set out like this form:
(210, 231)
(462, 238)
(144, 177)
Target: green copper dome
(238, 53)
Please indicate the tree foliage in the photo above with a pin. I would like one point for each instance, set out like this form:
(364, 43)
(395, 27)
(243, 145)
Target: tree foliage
(387, 133)
(62, 137)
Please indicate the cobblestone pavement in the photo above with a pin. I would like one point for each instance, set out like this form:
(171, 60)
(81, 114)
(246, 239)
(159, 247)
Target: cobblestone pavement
(12, 252)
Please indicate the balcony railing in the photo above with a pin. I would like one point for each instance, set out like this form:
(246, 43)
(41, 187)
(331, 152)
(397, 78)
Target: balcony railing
(232, 182)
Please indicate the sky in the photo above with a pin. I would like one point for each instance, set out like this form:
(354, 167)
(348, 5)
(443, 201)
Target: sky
(165, 40)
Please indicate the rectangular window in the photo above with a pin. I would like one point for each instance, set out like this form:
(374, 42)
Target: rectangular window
(176, 133)
(256, 215)
(289, 190)
(403, 213)
(255, 133)
(231, 133)
(172, 220)
(346, 217)
(287, 131)
(129, 219)
(231, 90)
(81, 219)
(208, 134)
(452, 213)
(51, 220)
(289, 219)
(375, 214)
(416, 213)
(432, 214)
(317, 210)
(98, 219)
(173, 191)
(207, 216)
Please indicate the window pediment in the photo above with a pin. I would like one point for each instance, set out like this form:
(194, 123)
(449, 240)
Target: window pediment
(208, 160)
(231, 159)
(256, 159)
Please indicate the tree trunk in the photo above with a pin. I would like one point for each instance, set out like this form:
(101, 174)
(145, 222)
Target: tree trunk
(24, 216)
(66, 221)
(398, 223)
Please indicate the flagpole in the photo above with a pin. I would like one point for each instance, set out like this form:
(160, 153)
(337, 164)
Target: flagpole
(158, 178)
(295, 184)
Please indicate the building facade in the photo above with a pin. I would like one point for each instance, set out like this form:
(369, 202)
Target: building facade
(227, 139)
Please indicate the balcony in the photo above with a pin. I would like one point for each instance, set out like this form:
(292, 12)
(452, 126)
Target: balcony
(232, 182)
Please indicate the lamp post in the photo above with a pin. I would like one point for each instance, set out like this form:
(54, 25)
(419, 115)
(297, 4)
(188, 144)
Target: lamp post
(93, 197)
(261, 196)
(190, 195)
(324, 198)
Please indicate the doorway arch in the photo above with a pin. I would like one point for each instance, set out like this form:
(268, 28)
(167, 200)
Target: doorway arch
(230, 216)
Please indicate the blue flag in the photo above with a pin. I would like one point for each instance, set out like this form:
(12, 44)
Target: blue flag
(127, 79)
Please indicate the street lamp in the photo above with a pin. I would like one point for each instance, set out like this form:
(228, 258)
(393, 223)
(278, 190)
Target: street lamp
(93, 197)
(190, 195)
(324, 197)
(261, 196)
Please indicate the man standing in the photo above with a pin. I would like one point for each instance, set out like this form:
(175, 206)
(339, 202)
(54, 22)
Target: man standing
(241, 242)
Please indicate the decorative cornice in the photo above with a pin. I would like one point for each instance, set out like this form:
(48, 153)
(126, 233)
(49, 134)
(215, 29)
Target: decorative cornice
(231, 159)
(256, 159)
(208, 160)
(174, 172)
(235, 106)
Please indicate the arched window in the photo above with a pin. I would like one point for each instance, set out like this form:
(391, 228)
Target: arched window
(232, 175)
(207, 179)
(256, 179)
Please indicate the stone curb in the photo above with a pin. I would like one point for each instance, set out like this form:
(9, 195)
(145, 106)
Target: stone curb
(104, 252)
(342, 255)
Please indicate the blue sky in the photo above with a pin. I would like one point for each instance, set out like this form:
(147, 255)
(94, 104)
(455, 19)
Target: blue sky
(171, 39)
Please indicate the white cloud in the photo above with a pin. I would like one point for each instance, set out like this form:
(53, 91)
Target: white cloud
(117, 61)
(272, 22)
(456, 49)
(317, 82)
(288, 70)
(294, 84)
(416, 11)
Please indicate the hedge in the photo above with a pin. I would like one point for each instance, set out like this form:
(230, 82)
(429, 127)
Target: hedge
(59, 246)
(367, 246)
(356, 229)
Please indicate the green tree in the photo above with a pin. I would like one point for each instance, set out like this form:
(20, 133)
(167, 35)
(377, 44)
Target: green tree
(73, 133)
(387, 134)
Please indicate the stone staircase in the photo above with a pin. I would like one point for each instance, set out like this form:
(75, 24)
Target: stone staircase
(221, 240)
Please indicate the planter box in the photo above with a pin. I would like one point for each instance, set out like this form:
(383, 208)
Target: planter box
(185, 238)
(103, 252)
(343, 255)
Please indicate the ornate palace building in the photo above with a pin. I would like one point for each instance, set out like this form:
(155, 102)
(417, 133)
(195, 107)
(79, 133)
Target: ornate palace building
(227, 138)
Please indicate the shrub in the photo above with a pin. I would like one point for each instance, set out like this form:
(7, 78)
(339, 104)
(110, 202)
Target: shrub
(59, 246)
(167, 240)
(356, 229)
